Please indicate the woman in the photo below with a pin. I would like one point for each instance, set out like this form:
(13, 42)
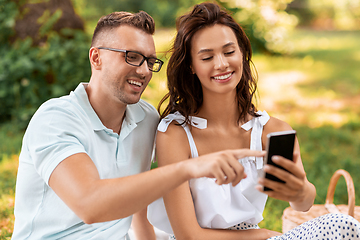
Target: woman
(211, 88)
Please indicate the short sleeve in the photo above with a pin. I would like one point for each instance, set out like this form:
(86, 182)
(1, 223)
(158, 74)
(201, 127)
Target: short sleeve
(54, 134)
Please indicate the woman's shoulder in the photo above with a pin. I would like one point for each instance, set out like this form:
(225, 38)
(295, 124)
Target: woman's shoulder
(172, 144)
(172, 127)
(170, 121)
(276, 125)
(178, 119)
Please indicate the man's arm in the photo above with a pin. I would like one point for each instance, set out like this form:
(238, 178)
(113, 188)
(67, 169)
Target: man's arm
(142, 228)
(76, 181)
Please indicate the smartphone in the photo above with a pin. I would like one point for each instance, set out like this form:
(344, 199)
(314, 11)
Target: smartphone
(281, 144)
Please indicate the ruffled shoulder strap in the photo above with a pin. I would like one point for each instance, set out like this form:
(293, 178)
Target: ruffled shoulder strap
(257, 125)
(197, 122)
(200, 123)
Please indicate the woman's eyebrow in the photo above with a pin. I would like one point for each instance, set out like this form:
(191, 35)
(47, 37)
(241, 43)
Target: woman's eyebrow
(210, 50)
(205, 50)
(228, 44)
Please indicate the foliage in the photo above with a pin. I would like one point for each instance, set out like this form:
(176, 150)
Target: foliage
(30, 75)
(301, 10)
(8, 11)
(164, 12)
(327, 14)
(266, 23)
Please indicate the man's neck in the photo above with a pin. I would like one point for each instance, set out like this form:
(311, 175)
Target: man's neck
(110, 113)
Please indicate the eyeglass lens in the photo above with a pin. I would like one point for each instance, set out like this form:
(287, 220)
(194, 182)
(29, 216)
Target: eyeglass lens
(137, 59)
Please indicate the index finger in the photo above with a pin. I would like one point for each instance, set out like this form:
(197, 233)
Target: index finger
(245, 152)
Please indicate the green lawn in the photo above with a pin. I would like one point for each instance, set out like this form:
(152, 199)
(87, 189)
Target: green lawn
(8, 168)
(316, 89)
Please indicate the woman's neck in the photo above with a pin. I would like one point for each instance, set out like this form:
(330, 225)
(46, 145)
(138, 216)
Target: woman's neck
(220, 109)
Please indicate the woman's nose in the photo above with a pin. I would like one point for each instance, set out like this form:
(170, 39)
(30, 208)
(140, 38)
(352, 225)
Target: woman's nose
(221, 62)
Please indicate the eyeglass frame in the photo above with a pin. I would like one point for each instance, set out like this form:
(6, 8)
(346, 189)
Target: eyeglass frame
(142, 61)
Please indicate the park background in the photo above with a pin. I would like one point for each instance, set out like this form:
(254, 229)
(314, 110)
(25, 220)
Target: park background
(306, 52)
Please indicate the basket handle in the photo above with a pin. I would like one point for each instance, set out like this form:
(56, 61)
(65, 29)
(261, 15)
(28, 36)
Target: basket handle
(350, 188)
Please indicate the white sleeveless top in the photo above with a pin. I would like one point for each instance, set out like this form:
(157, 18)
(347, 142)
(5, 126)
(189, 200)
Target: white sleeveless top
(220, 206)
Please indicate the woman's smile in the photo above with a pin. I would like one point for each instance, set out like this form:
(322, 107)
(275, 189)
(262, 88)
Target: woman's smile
(221, 78)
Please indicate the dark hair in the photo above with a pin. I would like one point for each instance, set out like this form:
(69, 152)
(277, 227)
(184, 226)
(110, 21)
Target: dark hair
(140, 20)
(185, 92)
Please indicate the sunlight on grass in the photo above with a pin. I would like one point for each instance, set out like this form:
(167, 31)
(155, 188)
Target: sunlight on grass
(8, 169)
(6, 216)
(305, 40)
(281, 96)
(318, 84)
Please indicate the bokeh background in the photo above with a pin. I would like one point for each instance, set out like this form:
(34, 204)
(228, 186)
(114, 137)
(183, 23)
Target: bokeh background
(306, 53)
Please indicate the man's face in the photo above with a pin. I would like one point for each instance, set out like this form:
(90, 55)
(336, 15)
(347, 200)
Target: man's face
(120, 81)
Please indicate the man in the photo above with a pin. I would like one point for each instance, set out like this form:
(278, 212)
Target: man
(84, 160)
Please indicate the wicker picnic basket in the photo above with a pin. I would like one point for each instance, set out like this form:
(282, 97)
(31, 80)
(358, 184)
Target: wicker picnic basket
(292, 218)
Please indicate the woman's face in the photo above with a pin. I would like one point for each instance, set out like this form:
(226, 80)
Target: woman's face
(216, 59)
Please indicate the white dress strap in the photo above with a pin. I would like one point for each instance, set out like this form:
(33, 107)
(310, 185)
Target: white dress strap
(197, 122)
(257, 124)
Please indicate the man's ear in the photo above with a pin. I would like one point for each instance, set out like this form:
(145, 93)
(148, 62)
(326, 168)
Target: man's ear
(94, 56)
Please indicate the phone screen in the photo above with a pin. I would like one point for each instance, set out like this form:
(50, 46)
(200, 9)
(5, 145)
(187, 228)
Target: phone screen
(281, 144)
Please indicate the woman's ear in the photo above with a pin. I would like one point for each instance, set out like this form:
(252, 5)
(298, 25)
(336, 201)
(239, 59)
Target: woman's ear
(94, 56)
(192, 69)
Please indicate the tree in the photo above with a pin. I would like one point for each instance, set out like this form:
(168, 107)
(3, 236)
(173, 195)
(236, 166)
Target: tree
(266, 22)
(327, 14)
(42, 56)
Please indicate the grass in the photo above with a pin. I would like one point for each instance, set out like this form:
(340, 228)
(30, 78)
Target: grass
(315, 85)
(8, 169)
(10, 140)
(316, 89)
(323, 150)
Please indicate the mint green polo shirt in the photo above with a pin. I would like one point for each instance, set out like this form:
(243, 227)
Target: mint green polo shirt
(60, 128)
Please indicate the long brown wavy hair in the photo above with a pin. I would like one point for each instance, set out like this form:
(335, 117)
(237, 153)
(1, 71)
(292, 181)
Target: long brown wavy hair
(185, 91)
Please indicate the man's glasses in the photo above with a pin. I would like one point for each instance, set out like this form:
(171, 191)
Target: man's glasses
(137, 59)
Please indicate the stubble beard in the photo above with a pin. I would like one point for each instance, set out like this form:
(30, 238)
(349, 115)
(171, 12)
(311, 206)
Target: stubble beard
(131, 98)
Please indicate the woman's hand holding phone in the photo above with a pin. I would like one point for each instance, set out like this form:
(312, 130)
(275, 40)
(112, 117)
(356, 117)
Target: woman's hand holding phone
(279, 144)
(283, 178)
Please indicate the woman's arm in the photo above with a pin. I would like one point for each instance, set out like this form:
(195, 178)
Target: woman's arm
(297, 190)
(171, 147)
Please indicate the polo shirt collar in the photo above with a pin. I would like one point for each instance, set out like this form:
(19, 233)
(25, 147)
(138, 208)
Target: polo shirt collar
(133, 114)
